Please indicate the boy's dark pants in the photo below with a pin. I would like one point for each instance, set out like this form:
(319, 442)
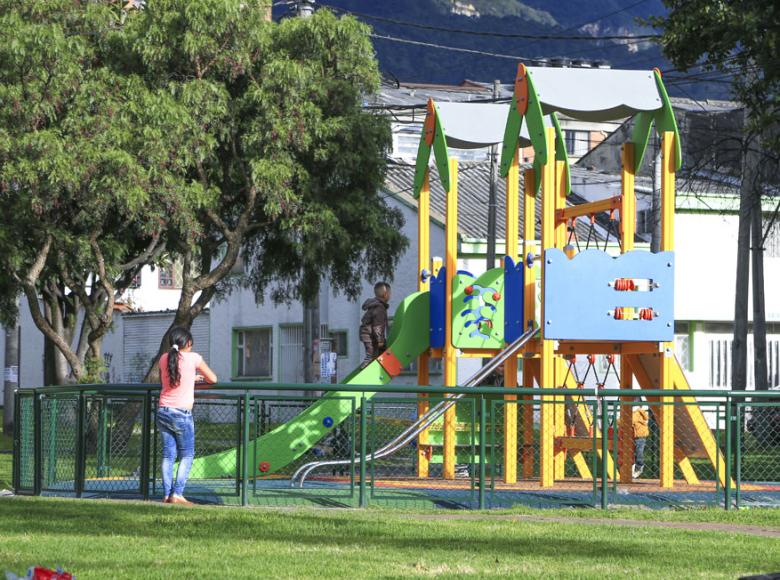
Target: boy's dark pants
(373, 349)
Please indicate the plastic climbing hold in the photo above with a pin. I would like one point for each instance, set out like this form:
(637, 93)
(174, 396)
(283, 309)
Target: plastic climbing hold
(469, 290)
(529, 260)
(328, 422)
(264, 466)
(496, 296)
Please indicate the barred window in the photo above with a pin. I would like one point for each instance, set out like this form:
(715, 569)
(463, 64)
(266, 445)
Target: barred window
(253, 354)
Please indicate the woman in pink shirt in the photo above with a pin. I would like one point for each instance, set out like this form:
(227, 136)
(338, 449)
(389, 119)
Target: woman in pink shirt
(180, 369)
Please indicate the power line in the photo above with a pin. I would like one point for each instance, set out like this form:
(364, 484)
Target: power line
(490, 34)
(452, 48)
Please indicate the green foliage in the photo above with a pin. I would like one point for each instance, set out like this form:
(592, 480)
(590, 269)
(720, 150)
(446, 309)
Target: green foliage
(341, 228)
(193, 129)
(296, 165)
(739, 38)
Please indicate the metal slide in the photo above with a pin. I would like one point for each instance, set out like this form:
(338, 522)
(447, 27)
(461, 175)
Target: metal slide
(423, 421)
(287, 442)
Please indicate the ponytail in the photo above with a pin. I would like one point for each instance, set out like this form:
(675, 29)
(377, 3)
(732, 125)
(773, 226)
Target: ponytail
(179, 338)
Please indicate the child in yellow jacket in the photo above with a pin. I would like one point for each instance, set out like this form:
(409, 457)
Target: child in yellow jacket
(639, 421)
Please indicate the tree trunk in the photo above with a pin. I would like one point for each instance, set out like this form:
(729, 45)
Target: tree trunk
(311, 335)
(739, 344)
(56, 370)
(11, 376)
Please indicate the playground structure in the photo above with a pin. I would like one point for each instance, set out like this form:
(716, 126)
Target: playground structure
(591, 303)
(585, 302)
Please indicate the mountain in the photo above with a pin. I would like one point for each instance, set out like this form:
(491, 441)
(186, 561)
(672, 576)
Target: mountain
(486, 55)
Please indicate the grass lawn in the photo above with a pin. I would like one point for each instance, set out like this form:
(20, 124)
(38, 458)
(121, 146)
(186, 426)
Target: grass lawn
(131, 539)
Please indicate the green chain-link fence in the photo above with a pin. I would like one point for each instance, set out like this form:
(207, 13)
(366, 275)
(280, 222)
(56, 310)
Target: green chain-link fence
(103, 441)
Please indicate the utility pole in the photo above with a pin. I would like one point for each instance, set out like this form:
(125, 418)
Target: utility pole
(11, 376)
(491, 234)
(655, 237)
(739, 342)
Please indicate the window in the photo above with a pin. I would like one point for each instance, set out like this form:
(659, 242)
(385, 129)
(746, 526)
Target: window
(772, 242)
(338, 342)
(720, 362)
(773, 362)
(645, 221)
(577, 142)
(135, 283)
(253, 357)
(435, 367)
(682, 349)
(406, 145)
(170, 277)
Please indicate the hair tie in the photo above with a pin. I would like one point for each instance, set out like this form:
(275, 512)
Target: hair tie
(175, 347)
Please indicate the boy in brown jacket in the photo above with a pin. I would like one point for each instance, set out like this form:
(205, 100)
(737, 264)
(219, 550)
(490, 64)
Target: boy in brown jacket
(639, 420)
(373, 325)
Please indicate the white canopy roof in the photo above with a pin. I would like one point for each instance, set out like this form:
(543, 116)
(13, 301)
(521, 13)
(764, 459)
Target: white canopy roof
(476, 125)
(595, 94)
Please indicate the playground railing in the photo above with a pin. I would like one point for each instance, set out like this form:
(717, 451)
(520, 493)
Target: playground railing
(101, 440)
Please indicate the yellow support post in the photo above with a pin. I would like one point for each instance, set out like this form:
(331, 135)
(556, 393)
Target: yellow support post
(667, 244)
(560, 365)
(627, 199)
(423, 261)
(547, 372)
(529, 307)
(510, 366)
(625, 452)
(450, 355)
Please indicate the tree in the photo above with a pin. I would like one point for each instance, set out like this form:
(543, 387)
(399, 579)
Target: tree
(295, 165)
(92, 166)
(738, 39)
(344, 231)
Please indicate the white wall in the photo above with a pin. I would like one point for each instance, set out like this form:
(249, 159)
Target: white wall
(705, 273)
(149, 297)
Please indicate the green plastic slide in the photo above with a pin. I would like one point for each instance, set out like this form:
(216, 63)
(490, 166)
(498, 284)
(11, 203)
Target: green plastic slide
(408, 339)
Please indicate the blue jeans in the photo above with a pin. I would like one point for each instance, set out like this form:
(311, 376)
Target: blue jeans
(639, 451)
(177, 430)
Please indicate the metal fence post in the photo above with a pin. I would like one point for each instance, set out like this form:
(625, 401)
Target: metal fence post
(146, 444)
(245, 452)
(37, 445)
(80, 444)
(604, 454)
(16, 458)
(363, 499)
(738, 459)
(102, 436)
(482, 433)
(729, 421)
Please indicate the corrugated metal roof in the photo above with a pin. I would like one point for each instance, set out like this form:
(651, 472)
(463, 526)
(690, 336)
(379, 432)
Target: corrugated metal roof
(473, 191)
